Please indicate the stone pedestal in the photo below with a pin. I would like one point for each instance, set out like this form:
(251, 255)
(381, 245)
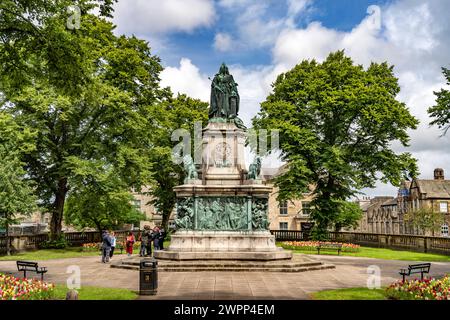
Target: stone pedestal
(223, 215)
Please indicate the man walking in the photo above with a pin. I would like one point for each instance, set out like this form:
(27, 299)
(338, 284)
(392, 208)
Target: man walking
(106, 246)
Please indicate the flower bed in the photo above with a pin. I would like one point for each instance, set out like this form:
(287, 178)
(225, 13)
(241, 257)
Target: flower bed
(426, 289)
(90, 247)
(312, 245)
(12, 288)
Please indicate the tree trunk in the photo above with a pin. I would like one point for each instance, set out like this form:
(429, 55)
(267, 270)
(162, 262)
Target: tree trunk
(58, 209)
(165, 220)
(8, 244)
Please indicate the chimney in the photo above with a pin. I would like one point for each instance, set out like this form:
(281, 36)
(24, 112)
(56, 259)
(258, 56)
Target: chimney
(438, 174)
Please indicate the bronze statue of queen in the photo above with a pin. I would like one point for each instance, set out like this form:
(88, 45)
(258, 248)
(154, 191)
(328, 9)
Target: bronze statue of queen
(224, 95)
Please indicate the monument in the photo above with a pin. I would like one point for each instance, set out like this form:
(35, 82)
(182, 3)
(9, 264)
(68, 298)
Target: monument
(222, 208)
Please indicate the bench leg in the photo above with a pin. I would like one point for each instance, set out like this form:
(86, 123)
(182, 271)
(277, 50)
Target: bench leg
(42, 277)
(421, 276)
(24, 273)
(403, 277)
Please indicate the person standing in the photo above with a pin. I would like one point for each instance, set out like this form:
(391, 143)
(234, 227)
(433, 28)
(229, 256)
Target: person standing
(156, 238)
(162, 235)
(113, 244)
(148, 244)
(129, 243)
(106, 246)
(142, 247)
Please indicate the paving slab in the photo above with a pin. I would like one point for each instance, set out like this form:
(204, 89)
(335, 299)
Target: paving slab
(349, 272)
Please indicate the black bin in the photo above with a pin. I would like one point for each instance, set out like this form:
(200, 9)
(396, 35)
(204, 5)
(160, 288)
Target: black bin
(148, 277)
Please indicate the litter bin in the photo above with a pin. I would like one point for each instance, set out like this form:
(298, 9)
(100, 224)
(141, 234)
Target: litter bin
(148, 277)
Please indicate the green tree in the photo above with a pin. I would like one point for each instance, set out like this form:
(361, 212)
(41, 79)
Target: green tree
(425, 219)
(441, 111)
(16, 191)
(337, 123)
(102, 201)
(348, 216)
(180, 112)
(91, 96)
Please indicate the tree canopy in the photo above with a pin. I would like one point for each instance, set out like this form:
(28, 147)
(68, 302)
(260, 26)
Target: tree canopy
(16, 190)
(337, 123)
(441, 111)
(176, 113)
(91, 96)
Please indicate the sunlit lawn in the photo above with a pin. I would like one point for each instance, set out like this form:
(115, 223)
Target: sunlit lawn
(350, 294)
(96, 293)
(382, 253)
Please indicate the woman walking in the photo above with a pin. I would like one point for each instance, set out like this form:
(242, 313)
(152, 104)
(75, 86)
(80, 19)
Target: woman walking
(129, 243)
(113, 243)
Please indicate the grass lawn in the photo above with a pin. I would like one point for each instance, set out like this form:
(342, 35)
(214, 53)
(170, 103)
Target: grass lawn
(350, 294)
(96, 293)
(382, 253)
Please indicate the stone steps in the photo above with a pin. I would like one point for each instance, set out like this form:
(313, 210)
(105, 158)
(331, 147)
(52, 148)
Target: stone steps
(294, 265)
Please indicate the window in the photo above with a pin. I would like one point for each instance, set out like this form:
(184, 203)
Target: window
(284, 226)
(444, 230)
(283, 208)
(443, 207)
(306, 208)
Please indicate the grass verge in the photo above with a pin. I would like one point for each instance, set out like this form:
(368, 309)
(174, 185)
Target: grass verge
(350, 294)
(382, 253)
(96, 293)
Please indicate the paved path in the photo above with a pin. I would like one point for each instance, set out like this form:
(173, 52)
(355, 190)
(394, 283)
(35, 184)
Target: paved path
(349, 272)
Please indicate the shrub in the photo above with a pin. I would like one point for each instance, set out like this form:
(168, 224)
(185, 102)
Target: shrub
(60, 243)
(12, 288)
(426, 289)
(312, 245)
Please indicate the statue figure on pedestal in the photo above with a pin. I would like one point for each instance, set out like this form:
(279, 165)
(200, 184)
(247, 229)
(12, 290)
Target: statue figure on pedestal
(224, 95)
(254, 171)
(189, 168)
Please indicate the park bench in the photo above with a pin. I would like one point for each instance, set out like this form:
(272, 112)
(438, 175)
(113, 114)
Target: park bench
(416, 268)
(330, 247)
(32, 267)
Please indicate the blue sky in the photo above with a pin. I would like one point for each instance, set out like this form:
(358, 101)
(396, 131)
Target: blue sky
(260, 39)
(341, 15)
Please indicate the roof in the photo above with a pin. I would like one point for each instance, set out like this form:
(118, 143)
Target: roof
(391, 202)
(436, 189)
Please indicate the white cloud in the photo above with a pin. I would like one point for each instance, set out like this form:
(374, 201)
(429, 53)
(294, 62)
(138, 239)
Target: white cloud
(255, 25)
(156, 16)
(223, 42)
(186, 79)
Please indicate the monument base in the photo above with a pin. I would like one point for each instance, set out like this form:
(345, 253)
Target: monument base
(220, 241)
(223, 245)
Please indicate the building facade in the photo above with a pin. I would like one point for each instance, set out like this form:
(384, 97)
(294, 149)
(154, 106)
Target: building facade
(386, 215)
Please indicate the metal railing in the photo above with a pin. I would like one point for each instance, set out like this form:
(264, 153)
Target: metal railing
(394, 241)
